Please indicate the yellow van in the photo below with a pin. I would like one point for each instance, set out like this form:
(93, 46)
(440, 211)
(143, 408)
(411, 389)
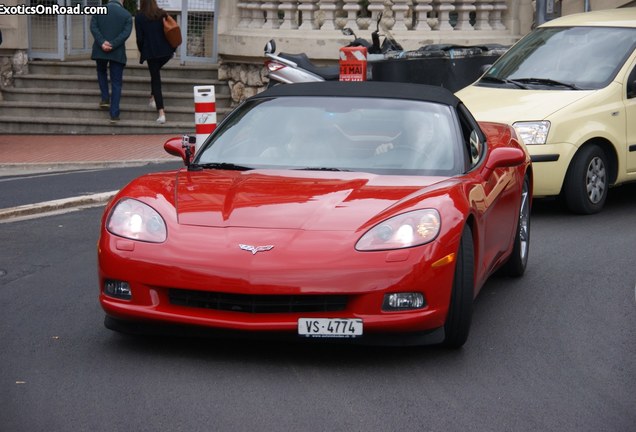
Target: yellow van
(569, 89)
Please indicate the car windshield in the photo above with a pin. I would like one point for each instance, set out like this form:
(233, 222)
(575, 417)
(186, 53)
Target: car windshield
(386, 136)
(580, 58)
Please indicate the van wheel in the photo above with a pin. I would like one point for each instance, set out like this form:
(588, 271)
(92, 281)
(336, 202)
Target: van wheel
(460, 310)
(586, 182)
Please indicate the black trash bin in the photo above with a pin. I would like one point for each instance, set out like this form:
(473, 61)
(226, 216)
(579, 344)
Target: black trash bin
(450, 66)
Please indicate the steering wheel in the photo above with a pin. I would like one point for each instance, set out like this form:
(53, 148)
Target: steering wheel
(402, 155)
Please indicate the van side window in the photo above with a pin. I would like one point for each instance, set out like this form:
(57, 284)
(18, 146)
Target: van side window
(631, 84)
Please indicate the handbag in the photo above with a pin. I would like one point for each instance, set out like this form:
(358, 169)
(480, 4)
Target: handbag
(172, 31)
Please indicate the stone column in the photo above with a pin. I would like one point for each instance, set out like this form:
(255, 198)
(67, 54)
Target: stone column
(422, 8)
(271, 13)
(464, 8)
(443, 9)
(483, 7)
(400, 9)
(244, 13)
(290, 9)
(257, 20)
(376, 7)
(328, 7)
(351, 7)
(499, 6)
(307, 9)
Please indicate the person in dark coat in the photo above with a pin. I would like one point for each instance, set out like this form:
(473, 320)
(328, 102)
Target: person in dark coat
(110, 32)
(154, 49)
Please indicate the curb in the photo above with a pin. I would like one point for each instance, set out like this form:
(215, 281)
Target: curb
(55, 205)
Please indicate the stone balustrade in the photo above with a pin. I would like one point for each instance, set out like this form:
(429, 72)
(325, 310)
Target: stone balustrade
(405, 15)
(315, 26)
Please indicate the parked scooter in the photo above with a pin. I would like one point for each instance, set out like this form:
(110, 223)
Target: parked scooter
(294, 68)
(286, 68)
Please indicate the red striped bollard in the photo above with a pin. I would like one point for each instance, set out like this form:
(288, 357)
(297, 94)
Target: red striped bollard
(204, 113)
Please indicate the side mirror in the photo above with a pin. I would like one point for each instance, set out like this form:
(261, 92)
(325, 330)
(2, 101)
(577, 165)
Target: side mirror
(270, 47)
(182, 147)
(505, 157)
(377, 23)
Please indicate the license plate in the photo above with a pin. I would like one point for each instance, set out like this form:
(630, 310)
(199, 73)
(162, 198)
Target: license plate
(330, 327)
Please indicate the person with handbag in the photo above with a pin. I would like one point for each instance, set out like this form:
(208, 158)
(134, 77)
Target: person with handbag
(110, 32)
(154, 49)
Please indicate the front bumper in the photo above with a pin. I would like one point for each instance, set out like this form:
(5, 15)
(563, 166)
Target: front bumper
(430, 337)
(364, 278)
(550, 164)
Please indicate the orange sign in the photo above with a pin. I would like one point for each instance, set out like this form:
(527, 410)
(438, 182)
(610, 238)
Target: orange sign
(353, 64)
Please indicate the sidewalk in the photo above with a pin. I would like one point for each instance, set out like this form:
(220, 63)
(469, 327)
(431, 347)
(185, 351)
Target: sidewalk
(36, 153)
(28, 154)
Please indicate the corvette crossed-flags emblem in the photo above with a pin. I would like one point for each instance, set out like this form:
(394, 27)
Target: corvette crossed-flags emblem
(255, 249)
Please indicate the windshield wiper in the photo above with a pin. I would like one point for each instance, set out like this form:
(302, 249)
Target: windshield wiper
(503, 81)
(548, 82)
(219, 165)
(321, 169)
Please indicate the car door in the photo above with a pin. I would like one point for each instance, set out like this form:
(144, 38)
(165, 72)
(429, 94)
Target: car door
(494, 197)
(502, 206)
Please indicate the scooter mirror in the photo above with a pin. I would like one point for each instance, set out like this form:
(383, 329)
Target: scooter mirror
(348, 32)
(270, 47)
(377, 23)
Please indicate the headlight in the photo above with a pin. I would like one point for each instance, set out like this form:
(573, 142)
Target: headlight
(137, 221)
(406, 230)
(533, 132)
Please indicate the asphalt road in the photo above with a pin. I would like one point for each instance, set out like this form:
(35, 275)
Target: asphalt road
(552, 351)
(16, 190)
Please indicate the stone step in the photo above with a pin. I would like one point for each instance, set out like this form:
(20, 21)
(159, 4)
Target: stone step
(133, 83)
(75, 110)
(63, 98)
(70, 126)
(173, 69)
(91, 96)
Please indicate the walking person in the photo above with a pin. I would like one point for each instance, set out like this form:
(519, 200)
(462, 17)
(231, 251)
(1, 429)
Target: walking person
(154, 49)
(110, 32)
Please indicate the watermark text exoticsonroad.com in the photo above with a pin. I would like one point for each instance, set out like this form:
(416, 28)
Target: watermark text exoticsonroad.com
(54, 9)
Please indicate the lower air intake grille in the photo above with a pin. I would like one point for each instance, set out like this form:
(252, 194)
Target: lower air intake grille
(257, 303)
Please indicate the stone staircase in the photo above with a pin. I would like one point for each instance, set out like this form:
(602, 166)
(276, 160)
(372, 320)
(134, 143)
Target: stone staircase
(63, 98)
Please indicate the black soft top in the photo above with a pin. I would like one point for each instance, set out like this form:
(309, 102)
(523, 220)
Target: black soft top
(370, 89)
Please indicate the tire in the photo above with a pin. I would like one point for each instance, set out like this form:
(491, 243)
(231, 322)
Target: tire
(518, 261)
(460, 310)
(587, 181)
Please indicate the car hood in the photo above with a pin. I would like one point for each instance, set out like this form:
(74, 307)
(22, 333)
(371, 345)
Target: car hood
(512, 105)
(294, 200)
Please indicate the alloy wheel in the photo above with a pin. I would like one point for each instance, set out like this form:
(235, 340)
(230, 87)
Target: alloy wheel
(596, 180)
(524, 222)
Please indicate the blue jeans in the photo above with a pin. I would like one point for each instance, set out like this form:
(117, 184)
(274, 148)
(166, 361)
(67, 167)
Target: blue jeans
(116, 77)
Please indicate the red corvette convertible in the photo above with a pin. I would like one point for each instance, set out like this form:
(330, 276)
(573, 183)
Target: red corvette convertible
(372, 212)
